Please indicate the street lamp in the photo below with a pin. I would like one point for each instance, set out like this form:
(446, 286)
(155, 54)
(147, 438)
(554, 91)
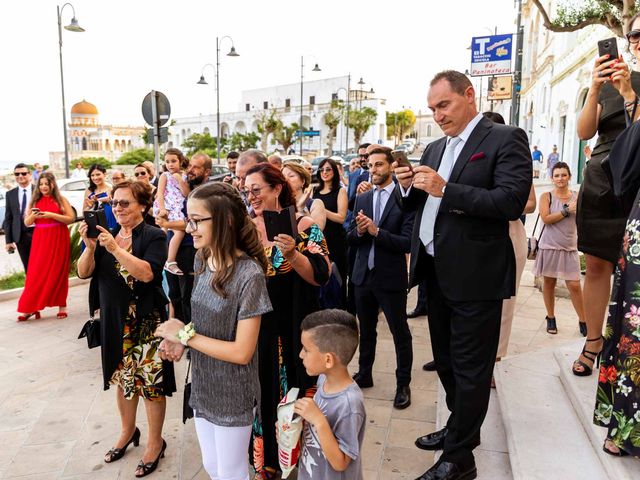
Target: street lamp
(316, 68)
(202, 81)
(346, 122)
(72, 27)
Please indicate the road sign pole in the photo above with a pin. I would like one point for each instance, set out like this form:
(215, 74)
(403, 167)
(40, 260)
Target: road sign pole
(156, 131)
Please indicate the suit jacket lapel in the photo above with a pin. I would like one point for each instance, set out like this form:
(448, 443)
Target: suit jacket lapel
(387, 208)
(477, 135)
(433, 161)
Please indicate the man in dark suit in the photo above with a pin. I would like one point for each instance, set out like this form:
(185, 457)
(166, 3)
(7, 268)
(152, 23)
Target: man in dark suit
(468, 186)
(16, 234)
(381, 237)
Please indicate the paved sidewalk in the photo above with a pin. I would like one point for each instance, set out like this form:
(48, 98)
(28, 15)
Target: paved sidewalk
(56, 422)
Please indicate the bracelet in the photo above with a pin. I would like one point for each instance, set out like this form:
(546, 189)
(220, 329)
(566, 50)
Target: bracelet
(632, 103)
(186, 333)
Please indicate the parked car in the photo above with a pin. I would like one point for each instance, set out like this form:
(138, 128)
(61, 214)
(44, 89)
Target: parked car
(73, 190)
(219, 173)
(410, 146)
(404, 148)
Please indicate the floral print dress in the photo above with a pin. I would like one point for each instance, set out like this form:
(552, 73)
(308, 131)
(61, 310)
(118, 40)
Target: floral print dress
(618, 394)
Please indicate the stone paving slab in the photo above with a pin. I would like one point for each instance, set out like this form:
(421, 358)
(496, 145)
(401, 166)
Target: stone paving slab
(56, 422)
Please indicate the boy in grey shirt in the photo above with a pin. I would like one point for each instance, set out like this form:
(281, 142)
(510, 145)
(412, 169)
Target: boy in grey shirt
(335, 417)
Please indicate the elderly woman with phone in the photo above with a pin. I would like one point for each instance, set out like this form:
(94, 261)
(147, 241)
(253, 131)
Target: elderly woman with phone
(600, 220)
(296, 266)
(47, 282)
(125, 266)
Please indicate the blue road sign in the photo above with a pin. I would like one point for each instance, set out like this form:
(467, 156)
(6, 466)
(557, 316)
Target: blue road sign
(491, 55)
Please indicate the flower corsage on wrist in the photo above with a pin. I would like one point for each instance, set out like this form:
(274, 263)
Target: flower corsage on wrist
(186, 333)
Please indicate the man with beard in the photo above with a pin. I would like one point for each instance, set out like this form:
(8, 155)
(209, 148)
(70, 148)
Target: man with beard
(381, 236)
(180, 286)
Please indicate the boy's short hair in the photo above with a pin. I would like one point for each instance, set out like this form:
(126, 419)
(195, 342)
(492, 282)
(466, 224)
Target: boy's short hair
(334, 331)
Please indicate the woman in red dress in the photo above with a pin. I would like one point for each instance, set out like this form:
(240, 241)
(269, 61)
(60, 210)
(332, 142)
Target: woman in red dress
(47, 280)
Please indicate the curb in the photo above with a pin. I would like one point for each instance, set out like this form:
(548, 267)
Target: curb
(16, 292)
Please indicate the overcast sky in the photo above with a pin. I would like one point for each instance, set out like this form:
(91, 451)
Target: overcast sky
(132, 47)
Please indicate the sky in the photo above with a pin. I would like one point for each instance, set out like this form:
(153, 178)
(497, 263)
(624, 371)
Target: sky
(132, 47)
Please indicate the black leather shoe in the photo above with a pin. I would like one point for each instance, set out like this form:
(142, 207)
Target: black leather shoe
(417, 312)
(432, 441)
(403, 397)
(429, 366)
(448, 471)
(363, 380)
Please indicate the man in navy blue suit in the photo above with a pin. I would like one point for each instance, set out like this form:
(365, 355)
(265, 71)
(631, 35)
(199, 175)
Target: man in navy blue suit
(380, 235)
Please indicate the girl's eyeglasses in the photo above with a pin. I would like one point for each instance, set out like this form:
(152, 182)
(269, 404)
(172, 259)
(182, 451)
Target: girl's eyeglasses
(192, 223)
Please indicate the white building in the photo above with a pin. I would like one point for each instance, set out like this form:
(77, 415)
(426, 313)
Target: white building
(285, 100)
(556, 75)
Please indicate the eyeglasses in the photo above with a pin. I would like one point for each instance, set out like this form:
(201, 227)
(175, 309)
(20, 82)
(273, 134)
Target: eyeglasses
(364, 155)
(140, 174)
(633, 36)
(21, 174)
(192, 223)
(326, 170)
(117, 179)
(255, 191)
(122, 203)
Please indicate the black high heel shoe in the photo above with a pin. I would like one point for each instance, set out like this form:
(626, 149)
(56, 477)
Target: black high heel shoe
(552, 328)
(149, 468)
(117, 453)
(593, 357)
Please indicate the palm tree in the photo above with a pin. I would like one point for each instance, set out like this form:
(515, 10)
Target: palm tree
(332, 119)
(268, 123)
(360, 121)
(285, 136)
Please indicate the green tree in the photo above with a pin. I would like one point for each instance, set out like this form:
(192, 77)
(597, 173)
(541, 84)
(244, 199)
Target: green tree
(332, 119)
(571, 15)
(286, 135)
(200, 142)
(88, 161)
(360, 121)
(400, 123)
(243, 141)
(136, 156)
(267, 124)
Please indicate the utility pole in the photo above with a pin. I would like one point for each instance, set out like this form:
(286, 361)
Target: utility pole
(517, 74)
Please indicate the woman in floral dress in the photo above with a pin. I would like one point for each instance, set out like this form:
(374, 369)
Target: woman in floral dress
(296, 267)
(126, 286)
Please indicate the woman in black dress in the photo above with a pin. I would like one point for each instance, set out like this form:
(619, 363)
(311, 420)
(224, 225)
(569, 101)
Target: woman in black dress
(126, 286)
(334, 197)
(600, 219)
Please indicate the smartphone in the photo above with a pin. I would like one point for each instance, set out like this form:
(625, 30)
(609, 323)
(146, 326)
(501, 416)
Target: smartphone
(608, 46)
(401, 158)
(35, 210)
(93, 219)
(283, 222)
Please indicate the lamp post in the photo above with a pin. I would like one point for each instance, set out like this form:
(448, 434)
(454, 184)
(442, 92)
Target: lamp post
(202, 81)
(315, 69)
(346, 123)
(72, 27)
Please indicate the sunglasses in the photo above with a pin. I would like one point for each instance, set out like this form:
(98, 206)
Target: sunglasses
(140, 174)
(633, 36)
(364, 155)
(326, 170)
(122, 203)
(21, 174)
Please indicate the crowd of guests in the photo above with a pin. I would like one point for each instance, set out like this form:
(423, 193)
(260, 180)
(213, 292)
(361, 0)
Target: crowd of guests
(255, 312)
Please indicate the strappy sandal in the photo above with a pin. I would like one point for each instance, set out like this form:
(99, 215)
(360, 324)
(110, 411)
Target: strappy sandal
(583, 328)
(149, 468)
(619, 453)
(117, 453)
(552, 328)
(172, 267)
(594, 357)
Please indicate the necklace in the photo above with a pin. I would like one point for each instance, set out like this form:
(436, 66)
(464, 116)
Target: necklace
(123, 237)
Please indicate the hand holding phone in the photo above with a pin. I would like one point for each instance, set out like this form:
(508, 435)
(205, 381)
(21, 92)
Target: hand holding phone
(35, 211)
(401, 158)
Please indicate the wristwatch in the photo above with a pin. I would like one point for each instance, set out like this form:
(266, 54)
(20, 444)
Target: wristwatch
(443, 187)
(186, 333)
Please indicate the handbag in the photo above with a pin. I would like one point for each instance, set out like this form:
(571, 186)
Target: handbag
(187, 411)
(532, 241)
(91, 330)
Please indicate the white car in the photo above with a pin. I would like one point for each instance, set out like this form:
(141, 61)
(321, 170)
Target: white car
(73, 190)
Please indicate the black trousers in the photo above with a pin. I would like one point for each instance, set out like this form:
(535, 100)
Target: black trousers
(464, 339)
(24, 246)
(180, 286)
(421, 301)
(351, 288)
(394, 305)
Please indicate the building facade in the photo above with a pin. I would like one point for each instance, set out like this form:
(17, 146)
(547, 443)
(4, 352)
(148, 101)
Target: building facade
(285, 101)
(556, 75)
(89, 138)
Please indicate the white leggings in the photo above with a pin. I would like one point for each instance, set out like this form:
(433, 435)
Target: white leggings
(224, 450)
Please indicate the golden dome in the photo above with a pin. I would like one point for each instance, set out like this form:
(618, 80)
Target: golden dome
(84, 108)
